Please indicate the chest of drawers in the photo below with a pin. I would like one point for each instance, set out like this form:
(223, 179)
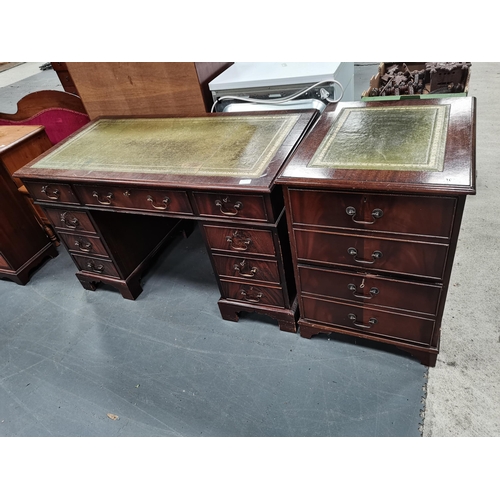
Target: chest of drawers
(247, 241)
(375, 196)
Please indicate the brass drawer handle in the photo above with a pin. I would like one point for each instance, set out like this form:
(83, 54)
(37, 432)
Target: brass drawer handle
(240, 269)
(251, 295)
(71, 223)
(238, 241)
(373, 291)
(83, 245)
(55, 195)
(91, 266)
(377, 254)
(165, 202)
(222, 206)
(377, 213)
(107, 201)
(353, 318)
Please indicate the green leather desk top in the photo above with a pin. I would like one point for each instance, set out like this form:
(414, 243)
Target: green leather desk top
(402, 138)
(230, 146)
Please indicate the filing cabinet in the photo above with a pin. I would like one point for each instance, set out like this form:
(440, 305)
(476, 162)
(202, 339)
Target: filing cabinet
(375, 197)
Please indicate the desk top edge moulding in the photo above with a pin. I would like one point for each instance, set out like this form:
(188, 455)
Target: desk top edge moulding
(244, 151)
(374, 197)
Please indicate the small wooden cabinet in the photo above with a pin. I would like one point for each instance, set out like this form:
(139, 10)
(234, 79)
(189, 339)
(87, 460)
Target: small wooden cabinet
(375, 196)
(24, 244)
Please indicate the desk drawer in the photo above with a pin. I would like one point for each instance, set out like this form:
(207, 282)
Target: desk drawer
(370, 290)
(233, 206)
(415, 215)
(51, 193)
(250, 269)
(150, 200)
(84, 244)
(368, 321)
(70, 219)
(381, 254)
(244, 241)
(252, 294)
(95, 265)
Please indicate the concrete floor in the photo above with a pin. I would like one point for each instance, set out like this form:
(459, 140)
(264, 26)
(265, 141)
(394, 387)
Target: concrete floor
(464, 388)
(70, 357)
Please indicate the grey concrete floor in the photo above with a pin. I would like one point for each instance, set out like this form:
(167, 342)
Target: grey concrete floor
(69, 356)
(464, 388)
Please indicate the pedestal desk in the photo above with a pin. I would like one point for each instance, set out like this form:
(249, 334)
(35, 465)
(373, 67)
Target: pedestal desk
(118, 188)
(375, 195)
(24, 245)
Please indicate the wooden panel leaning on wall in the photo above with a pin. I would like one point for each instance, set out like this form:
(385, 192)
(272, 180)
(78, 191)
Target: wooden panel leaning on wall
(132, 89)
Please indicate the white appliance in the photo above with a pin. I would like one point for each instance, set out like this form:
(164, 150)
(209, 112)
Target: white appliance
(251, 86)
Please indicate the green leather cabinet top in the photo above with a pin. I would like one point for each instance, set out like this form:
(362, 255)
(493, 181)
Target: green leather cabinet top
(398, 146)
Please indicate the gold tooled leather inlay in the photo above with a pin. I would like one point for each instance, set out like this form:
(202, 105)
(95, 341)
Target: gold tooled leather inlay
(386, 138)
(233, 146)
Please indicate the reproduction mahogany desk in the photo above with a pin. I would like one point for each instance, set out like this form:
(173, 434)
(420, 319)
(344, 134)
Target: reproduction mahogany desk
(117, 189)
(24, 244)
(374, 197)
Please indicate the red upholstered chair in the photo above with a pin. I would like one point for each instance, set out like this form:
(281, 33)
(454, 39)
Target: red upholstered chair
(61, 114)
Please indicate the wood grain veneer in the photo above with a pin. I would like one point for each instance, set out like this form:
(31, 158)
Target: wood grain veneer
(143, 88)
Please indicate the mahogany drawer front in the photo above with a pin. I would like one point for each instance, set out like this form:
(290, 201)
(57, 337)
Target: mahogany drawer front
(95, 265)
(370, 290)
(253, 294)
(91, 245)
(241, 240)
(150, 200)
(368, 321)
(70, 219)
(391, 255)
(415, 215)
(3, 263)
(52, 193)
(233, 206)
(250, 269)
